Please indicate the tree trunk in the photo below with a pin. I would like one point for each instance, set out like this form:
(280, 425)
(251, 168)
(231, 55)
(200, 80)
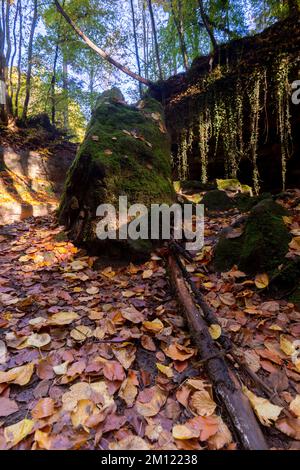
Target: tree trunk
(66, 92)
(53, 83)
(207, 25)
(137, 55)
(97, 49)
(157, 54)
(29, 68)
(19, 60)
(3, 111)
(178, 21)
(15, 51)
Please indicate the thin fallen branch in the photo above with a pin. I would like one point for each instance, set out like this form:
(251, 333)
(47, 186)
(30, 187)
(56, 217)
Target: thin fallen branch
(98, 50)
(225, 383)
(211, 318)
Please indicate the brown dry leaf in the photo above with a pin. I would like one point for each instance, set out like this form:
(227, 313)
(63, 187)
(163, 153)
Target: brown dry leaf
(294, 406)
(113, 370)
(148, 343)
(130, 443)
(63, 318)
(264, 409)
(183, 394)
(7, 406)
(84, 390)
(128, 390)
(177, 352)
(155, 326)
(153, 406)
(38, 340)
(262, 281)
(81, 333)
(198, 427)
(17, 432)
(168, 371)
(18, 375)
(222, 437)
(43, 408)
(78, 265)
(184, 432)
(61, 369)
(202, 404)
(125, 355)
(227, 299)
(93, 290)
(290, 427)
(132, 314)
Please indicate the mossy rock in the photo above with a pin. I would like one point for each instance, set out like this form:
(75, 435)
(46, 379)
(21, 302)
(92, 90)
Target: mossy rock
(234, 185)
(262, 246)
(217, 201)
(126, 152)
(245, 202)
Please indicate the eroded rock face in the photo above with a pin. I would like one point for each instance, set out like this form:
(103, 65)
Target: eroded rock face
(126, 152)
(263, 244)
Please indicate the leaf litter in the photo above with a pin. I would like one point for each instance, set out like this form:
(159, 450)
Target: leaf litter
(102, 359)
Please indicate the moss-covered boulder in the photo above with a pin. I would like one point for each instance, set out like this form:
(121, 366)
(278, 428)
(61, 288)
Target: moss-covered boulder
(126, 152)
(217, 201)
(234, 185)
(263, 244)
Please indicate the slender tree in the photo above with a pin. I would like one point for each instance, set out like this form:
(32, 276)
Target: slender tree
(19, 59)
(137, 54)
(29, 59)
(178, 21)
(97, 49)
(207, 25)
(155, 39)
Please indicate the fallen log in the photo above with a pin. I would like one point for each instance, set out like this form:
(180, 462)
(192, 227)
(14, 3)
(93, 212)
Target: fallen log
(226, 385)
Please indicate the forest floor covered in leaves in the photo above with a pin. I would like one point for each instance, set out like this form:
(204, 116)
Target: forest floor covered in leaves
(100, 357)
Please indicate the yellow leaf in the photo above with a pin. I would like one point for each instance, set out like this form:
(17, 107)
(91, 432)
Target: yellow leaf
(63, 318)
(42, 439)
(155, 326)
(215, 331)
(17, 432)
(264, 409)
(81, 333)
(262, 281)
(147, 274)
(165, 370)
(202, 404)
(295, 406)
(183, 432)
(286, 346)
(84, 409)
(18, 375)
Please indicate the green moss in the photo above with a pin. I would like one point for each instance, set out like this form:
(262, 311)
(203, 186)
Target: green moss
(126, 152)
(263, 245)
